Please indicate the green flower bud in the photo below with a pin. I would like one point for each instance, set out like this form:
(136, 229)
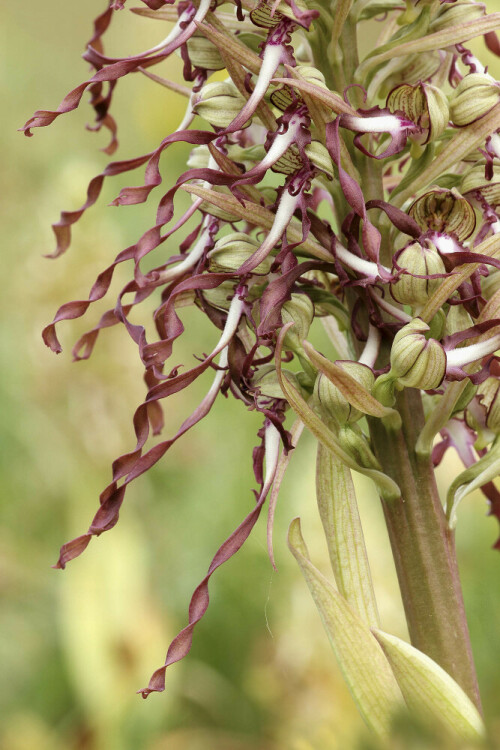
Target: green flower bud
(421, 103)
(266, 381)
(221, 296)
(282, 97)
(468, 394)
(203, 53)
(332, 402)
(418, 260)
(356, 444)
(417, 362)
(299, 310)
(231, 251)
(320, 157)
(210, 208)
(199, 157)
(490, 284)
(219, 103)
(457, 319)
(488, 394)
(442, 210)
(474, 181)
(454, 15)
(473, 98)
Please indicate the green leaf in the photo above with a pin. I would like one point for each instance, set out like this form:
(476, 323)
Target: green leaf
(480, 473)
(429, 691)
(387, 487)
(438, 40)
(338, 510)
(229, 45)
(360, 658)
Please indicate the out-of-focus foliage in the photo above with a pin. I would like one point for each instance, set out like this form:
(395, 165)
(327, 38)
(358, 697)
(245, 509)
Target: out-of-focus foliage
(75, 646)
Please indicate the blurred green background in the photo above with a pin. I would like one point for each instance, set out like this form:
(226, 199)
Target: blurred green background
(76, 645)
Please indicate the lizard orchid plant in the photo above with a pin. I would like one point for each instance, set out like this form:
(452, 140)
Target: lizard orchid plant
(384, 225)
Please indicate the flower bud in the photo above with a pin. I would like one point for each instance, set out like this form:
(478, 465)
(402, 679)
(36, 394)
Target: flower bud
(356, 444)
(282, 97)
(488, 393)
(474, 96)
(267, 383)
(203, 53)
(422, 103)
(417, 260)
(221, 296)
(199, 157)
(231, 251)
(319, 156)
(332, 402)
(458, 319)
(442, 210)
(299, 310)
(417, 362)
(490, 284)
(219, 103)
(474, 181)
(456, 14)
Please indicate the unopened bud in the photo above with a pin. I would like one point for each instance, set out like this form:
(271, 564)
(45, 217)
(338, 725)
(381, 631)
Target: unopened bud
(221, 296)
(231, 251)
(204, 54)
(421, 103)
(417, 362)
(490, 284)
(473, 98)
(356, 444)
(332, 402)
(199, 157)
(456, 14)
(319, 156)
(474, 181)
(488, 393)
(219, 103)
(442, 210)
(267, 383)
(417, 260)
(458, 319)
(300, 311)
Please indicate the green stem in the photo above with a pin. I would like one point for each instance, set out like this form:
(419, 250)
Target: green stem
(423, 547)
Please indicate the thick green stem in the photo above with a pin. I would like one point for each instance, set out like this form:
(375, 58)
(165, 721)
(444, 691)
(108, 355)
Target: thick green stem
(424, 549)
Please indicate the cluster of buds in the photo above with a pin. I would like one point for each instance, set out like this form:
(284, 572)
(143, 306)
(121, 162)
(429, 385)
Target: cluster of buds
(362, 194)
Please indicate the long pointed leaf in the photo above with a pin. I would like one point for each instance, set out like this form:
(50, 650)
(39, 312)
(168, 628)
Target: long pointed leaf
(363, 664)
(338, 510)
(430, 691)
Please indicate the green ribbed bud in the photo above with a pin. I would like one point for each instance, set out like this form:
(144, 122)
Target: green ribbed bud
(421, 103)
(490, 284)
(221, 296)
(356, 444)
(299, 310)
(266, 380)
(456, 14)
(488, 394)
(203, 53)
(473, 98)
(219, 103)
(442, 210)
(320, 157)
(199, 157)
(474, 181)
(417, 362)
(418, 260)
(457, 319)
(332, 402)
(231, 251)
